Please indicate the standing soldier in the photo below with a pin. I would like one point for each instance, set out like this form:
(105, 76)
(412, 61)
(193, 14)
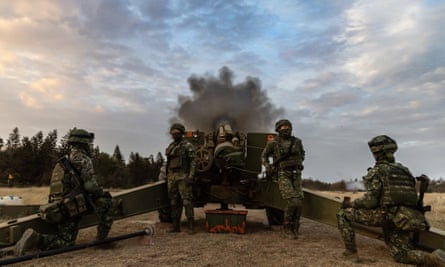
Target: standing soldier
(74, 191)
(181, 162)
(288, 155)
(10, 179)
(391, 202)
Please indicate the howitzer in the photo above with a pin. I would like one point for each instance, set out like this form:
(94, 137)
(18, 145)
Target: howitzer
(147, 231)
(68, 167)
(222, 169)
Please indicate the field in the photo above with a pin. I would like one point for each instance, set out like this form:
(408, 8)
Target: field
(318, 244)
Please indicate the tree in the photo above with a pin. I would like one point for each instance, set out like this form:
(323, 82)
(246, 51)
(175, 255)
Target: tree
(159, 158)
(138, 169)
(14, 139)
(64, 148)
(117, 155)
(48, 155)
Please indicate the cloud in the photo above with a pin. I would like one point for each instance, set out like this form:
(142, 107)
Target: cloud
(341, 71)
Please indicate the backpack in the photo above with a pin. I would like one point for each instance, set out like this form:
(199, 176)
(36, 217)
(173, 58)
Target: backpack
(64, 201)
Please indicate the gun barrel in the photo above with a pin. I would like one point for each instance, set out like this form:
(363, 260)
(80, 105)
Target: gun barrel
(146, 231)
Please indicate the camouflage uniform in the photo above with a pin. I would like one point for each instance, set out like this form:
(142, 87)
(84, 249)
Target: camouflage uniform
(68, 228)
(389, 186)
(181, 165)
(288, 151)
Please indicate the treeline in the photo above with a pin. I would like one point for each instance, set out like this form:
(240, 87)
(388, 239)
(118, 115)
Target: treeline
(309, 183)
(28, 161)
(435, 186)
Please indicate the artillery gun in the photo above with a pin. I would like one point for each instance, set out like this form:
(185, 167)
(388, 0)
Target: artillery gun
(229, 172)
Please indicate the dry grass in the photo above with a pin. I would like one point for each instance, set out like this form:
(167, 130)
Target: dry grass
(318, 245)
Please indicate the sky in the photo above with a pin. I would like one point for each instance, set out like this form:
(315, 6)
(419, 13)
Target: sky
(341, 71)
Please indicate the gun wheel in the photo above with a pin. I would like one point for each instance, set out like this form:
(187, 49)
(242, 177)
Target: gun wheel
(204, 160)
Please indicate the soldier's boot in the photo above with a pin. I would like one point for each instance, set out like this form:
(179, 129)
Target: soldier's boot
(350, 246)
(102, 234)
(191, 226)
(288, 230)
(350, 250)
(435, 259)
(350, 253)
(29, 240)
(296, 228)
(175, 226)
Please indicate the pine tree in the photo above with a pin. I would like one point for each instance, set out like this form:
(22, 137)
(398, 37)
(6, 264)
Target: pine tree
(14, 139)
(117, 155)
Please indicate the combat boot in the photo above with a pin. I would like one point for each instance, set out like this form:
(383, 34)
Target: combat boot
(175, 227)
(29, 240)
(191, 226)
(288, 230)
(102, 234)
(435, 259)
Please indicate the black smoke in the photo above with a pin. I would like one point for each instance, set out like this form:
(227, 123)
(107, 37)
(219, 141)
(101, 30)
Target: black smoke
(216, 99)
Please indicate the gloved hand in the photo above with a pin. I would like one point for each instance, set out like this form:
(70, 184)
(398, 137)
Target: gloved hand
(347, 203)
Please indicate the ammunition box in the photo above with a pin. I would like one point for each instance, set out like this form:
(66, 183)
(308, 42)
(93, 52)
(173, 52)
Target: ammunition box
(226, 221)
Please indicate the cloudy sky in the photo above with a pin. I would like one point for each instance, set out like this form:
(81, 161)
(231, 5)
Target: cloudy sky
(341, 71)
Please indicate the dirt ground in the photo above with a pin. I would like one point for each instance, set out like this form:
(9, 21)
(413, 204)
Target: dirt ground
(318, 245)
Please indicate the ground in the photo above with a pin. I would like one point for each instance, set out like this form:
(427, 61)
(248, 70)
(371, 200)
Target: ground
(318, 245)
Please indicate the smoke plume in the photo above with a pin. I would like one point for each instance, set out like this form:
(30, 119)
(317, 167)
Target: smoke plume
(215, 100)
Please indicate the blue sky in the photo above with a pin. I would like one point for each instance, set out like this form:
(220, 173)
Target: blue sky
(341, 71)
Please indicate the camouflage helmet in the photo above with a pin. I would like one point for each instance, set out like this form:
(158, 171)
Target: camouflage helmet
(280, 123)
(382, 143)
(178, 126)
(80, 136)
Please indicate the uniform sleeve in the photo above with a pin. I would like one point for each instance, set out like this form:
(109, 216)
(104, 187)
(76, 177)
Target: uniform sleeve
(267, 151)
(373, 186)
(85, 167)
(303, 153)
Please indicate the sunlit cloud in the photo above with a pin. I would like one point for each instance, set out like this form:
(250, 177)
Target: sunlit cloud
(341, 70)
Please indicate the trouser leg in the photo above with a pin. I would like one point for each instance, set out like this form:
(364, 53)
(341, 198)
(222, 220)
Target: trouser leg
(186, 193)
(297, 215)
(104, 207)
(176, 205)
(346, 231)
(66, 235)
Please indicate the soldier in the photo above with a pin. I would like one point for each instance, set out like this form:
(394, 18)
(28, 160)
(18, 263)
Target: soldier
(391, 202)
(288, 155)
(71, 187)
(181, 164)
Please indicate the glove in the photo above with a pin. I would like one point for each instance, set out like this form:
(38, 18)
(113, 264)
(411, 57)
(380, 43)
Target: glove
(347, 203)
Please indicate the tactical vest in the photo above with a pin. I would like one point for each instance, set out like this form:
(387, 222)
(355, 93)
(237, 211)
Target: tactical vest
(288, 153)
(57, 184)
(64, 201)
(177, 157)
(398, 186)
